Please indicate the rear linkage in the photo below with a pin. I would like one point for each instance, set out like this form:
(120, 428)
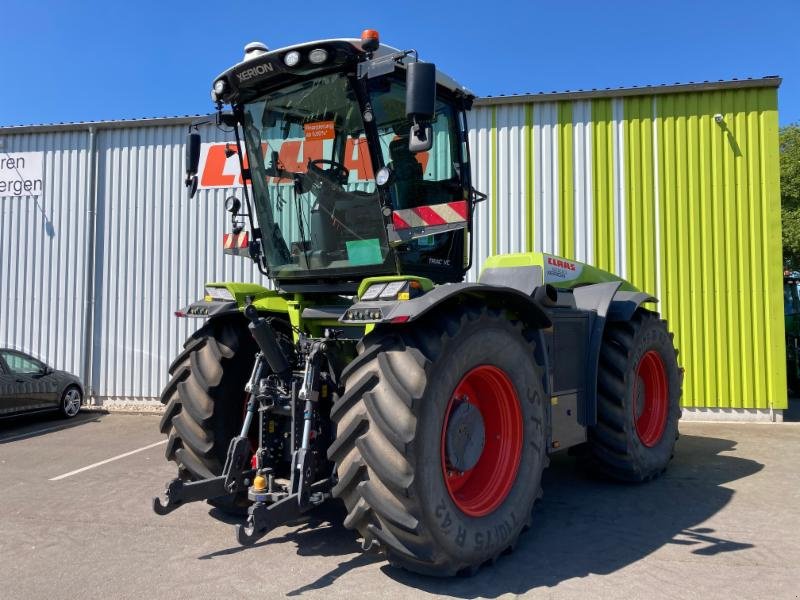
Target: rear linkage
(273, 503)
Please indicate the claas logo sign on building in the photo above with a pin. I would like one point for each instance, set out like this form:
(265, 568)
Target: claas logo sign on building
(218, 170)
(219, 164)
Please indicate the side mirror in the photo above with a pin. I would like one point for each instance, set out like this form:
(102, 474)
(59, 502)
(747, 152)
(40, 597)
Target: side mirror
(420, 104)
(193, 141)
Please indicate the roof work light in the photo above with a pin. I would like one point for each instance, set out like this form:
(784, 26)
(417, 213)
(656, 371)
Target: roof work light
(370, 40)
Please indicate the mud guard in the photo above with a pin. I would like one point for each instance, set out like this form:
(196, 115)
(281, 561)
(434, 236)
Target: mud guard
(610, 304)
(507, 297)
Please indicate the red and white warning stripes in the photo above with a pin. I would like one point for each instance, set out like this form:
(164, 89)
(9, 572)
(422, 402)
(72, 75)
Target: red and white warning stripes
(431, 215)
(236, 243)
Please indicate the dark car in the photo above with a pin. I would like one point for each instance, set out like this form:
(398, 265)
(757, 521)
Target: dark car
(27, 385)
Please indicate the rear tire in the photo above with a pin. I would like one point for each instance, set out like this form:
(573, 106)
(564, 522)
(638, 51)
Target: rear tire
(205, 401)
(638, 404)
(390, 445)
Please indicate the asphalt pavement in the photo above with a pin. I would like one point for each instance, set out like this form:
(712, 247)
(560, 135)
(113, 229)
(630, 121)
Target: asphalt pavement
(724, 522)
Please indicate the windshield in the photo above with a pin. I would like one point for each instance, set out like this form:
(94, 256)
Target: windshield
(315, 194)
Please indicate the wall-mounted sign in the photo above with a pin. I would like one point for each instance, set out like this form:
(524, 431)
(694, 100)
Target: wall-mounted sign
(219, 163)
(21, 173)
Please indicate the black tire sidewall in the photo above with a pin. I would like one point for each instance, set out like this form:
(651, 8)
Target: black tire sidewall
(62, 407)
(475, 539)
(653, 335)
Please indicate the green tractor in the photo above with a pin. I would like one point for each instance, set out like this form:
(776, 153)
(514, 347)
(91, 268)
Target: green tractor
(373, 373)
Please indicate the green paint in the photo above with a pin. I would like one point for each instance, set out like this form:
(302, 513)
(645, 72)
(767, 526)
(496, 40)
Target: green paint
(586, 275)
(603, 184)
(530, 206)
(639, 168)
(425, 283)
(720, 256)
(566, 191)
(262, 297)
(495, 183)
(272, 304)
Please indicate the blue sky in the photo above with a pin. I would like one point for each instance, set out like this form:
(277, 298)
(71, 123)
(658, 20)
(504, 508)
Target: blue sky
(71, 61)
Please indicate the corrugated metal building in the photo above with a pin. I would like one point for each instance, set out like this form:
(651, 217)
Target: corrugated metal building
(673, 187)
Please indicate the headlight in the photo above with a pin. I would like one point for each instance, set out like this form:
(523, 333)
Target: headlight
(382, 177)
(318, 56)
(218, 293)
(392, 289)
(292, 58)
(219, 87)
(232, 204)
(373, 291)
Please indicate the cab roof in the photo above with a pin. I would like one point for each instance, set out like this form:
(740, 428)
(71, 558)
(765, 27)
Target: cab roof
(383, 50)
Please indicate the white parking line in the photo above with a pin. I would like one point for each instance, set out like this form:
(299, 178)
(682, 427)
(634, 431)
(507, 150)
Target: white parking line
(106, 461)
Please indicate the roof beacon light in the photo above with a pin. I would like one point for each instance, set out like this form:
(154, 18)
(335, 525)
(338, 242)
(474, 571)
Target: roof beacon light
(254, 50)
(370, 40)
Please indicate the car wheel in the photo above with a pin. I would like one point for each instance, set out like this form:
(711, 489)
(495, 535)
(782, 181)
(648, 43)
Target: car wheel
(70, 402)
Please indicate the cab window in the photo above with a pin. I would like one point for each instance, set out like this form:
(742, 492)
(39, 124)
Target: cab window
(424, 178)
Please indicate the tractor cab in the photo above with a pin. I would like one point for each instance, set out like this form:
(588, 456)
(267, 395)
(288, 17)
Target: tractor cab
(358, 161)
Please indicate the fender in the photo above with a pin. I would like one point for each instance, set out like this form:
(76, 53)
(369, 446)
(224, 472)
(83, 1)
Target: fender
(527, 309)
(610, 304)
(396, 312)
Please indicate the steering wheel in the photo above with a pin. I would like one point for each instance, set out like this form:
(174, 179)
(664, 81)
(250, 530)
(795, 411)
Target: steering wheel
(335, 172)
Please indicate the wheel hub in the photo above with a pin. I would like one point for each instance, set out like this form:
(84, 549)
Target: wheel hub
(481, 440)
(650, 399)
(465, 436)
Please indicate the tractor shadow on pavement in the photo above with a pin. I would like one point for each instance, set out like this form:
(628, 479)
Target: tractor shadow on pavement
(585, 525)
(319, 533)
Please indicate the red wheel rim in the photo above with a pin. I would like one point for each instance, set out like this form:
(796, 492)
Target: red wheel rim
(479, 491)
(650, 398)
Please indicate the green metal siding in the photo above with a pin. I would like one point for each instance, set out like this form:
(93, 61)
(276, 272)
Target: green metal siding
(603, 184)
(682, 206)
(721, 263)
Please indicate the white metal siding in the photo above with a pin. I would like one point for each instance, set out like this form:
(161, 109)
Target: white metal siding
(43, 253)
(156, 250)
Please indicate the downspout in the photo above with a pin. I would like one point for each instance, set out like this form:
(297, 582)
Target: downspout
(91, 232)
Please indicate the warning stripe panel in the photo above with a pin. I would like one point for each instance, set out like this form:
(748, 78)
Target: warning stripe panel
(233, 243)
(430, 215)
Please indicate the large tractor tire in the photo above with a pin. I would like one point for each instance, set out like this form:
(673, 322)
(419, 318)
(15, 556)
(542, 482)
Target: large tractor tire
(638, 405)
(440, 440)
(205, 401)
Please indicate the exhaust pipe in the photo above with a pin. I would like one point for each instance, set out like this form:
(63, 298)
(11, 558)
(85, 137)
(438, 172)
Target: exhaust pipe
(545, 295)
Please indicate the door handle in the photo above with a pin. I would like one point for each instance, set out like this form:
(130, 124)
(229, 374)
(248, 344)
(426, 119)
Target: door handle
(20, 381)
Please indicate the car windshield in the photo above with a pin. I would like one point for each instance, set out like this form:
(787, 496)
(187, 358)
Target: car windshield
(315, 195)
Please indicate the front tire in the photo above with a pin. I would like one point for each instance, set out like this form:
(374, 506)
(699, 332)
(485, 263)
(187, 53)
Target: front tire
(205, 401)
(393, 451)
(70, 403)
(638, 405)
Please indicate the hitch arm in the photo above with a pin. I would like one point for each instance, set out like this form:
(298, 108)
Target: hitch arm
(179, 493)
(234, 477)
